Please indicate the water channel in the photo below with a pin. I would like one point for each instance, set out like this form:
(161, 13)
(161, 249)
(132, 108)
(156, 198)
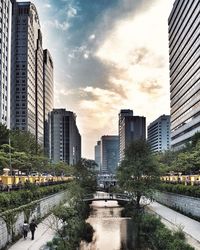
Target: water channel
(112, 232)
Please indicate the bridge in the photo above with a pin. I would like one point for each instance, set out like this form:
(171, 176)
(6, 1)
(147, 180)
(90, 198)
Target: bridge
(107, 197)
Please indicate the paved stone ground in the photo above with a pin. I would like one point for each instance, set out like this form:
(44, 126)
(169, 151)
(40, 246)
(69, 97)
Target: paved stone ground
(44, 233)
(173, 219)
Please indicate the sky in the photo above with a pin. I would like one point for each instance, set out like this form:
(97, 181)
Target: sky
(108, 55)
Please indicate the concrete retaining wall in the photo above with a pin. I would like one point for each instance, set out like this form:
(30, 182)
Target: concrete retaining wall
(186, 204)
(43, 208)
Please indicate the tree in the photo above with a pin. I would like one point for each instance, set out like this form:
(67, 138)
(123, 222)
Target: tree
(85, 174)
(138, 173)
(25, 141)
(4, 134)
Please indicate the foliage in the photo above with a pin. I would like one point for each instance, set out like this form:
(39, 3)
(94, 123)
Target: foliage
(74, 214)
(186, 160)
(18, 198)
(193, 191)
(138, 173)
(85, 175)
(25, 141)
(4, 134)
(159, 237)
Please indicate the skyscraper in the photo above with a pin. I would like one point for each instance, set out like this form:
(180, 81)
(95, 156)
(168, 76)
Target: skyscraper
(122, 114)
(131, 128)
(159, 134)
(109, 153)
(27, 71)
(48, 91)
(5, 24)
(184, 49)
(97, 154)
(64, 137)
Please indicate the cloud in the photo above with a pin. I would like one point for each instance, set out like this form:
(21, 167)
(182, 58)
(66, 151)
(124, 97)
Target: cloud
(63, 26)
(47, 5)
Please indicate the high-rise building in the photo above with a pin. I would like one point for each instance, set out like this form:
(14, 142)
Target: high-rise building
(184, 49)
(97, 154)
(122, 114)
(131, 128)
(64, 137)
(5, 24)
(48, 93)
(109, 153)
(27, 71)
(159, 134)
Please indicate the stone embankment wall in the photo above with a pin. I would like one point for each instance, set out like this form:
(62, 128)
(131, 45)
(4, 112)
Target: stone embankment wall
(186, 204)
(42, 208)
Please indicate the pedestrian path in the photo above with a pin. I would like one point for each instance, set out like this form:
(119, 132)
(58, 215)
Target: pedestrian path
(189, 226)
(45, 232)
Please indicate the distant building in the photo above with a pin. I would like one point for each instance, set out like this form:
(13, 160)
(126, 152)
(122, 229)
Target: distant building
(97, 154)
(131, 128)
(159, 134)
(109, 153)
(27, 71)
(184, 51)
(48, 93)
(64, 137)
(5, 25)
(122, 114)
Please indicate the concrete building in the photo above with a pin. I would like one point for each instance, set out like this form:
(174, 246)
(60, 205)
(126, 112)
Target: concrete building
(184, 48)
(5, 25)
(109, 153)
(159, 136)
(64, 137)
(131, 128)
(48, 94)
(27, 71)
(97, 154)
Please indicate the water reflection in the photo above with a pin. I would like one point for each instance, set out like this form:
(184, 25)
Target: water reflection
(110, 228)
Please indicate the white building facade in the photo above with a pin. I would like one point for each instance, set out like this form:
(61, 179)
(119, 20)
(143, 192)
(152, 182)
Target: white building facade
(184, 47)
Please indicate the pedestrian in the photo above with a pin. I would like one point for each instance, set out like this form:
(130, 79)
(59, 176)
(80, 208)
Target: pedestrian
(33, 226)
(25, 229)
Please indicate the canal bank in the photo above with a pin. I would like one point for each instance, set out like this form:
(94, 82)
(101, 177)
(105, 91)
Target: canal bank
(174, 220)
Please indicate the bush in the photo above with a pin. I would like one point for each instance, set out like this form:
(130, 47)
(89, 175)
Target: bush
(193, 191)
(16, 199)
(159, 237)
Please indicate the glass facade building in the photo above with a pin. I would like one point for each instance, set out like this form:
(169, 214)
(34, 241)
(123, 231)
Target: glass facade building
(64, 137)
(27, 71)
(159, 134)
(48, 94)
(131, 128)
(109, 153)
(184, 49)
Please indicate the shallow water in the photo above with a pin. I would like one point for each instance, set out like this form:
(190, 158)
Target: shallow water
(112, 232)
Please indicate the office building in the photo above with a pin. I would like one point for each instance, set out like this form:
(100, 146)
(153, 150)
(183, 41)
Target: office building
(5, 24)
(27, 71)
(64, 137)
(48, 94)
(131, 128)
(109, 153)
(159, 134)
(97, 154)
(184, 49)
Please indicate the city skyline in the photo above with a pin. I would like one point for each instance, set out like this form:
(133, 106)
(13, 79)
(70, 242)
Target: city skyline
(99, 50)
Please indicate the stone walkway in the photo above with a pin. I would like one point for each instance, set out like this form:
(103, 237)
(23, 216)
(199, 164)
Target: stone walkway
(173, 219)
(44, 233)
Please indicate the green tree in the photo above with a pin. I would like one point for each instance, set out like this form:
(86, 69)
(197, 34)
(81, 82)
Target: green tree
(138, 173)
(4, 134)
(23, 141)
(85, 174)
